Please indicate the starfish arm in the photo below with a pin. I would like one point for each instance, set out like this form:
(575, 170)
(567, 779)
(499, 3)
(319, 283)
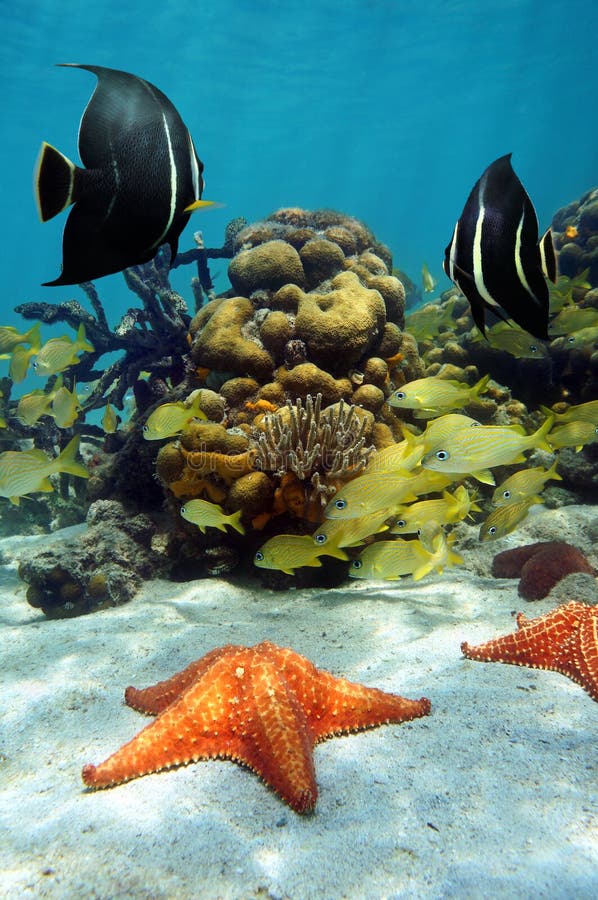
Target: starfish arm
(278, 742)
(553, 641)
(337, 706)
(586, 657)
(196, 726)
(154, 699)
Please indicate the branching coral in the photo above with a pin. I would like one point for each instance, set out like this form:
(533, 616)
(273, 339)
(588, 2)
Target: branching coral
(312, 443)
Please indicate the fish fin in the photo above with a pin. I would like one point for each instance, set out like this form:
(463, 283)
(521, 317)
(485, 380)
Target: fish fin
(422, 570)
(337, 553)
(552, 472)
(481, 386)
(234, 521)
(196, 408)
(538, 438)
(485, 476)
(289, 571)
(548, 260)
(201, 204)
(16, 501)
(34, 335)
(81, 339)
(53, 182)
(66, 462)
(45, 486)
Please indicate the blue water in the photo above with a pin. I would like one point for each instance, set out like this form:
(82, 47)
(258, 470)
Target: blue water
(386, 110)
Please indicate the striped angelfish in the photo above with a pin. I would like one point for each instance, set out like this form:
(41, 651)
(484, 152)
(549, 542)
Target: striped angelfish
(495, 257)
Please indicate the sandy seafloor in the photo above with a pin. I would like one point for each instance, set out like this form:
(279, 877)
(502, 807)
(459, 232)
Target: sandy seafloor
(495, 794)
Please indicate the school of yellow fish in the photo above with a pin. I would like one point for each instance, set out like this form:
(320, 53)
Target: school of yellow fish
(399, 512)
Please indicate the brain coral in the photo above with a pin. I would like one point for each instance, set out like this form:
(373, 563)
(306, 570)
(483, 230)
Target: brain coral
(349, 316)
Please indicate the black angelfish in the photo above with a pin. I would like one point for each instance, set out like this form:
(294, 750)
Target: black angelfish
(494, 256)
(141, 181)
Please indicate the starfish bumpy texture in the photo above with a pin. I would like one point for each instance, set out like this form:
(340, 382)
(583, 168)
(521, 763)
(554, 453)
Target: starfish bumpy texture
(263, 706)
(564, 640)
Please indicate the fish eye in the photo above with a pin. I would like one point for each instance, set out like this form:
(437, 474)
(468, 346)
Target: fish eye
(259, 556)
(400, 524)
(570, 340)
(506, 494)
(146, 429)
(442, 455)
(320, 538)
(183, 510)
(400, 395)
(475, 424)
(340, 504)
(492, 530)
(356, 564)
(533, 348)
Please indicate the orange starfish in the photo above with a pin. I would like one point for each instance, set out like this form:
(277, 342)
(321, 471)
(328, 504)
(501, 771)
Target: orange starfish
(564, 640)
(264, 706)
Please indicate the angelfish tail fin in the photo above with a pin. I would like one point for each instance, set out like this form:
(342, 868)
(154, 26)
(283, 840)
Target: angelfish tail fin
(53, 182)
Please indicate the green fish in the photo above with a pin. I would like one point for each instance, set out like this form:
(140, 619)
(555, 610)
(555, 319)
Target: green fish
(440, 429)
(209, 515)
(405, 456)
(515, 341)
(27, 471)
(524, 485)
(585, 337)
(59, 353)
(171, 418)
(425, 323)
(473, 451)
(436, 394)
(287, 552)
(573, 318)
(573, 434)
(561, 293)
(505, 519)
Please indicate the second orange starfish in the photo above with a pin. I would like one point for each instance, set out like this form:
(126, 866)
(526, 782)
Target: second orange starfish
(564, 640)
(264, 706)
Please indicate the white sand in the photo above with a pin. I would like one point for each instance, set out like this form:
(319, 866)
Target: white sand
(495, 794)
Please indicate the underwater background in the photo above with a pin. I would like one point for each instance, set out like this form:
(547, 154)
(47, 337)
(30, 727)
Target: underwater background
(385, 110)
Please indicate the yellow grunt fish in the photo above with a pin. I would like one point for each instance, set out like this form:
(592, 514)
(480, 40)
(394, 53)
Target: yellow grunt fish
(431, 394)
(404, 455)
(388, 560)
(109, 419)
(585, 337)
(515, 341)
(21, 357)
(436, 546)
(473, 451)
(441, 428)
(287, 552)
(582, 412)
(11, 338)
(65, 407)
(505, 519)
(573, 318)
(27, 471)
(525, 484)
(209, 515)
(59, 353)
(32, 406)
(171, 418)
(447, 510)
(335, 533)
(573, 434)
(428, 280)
